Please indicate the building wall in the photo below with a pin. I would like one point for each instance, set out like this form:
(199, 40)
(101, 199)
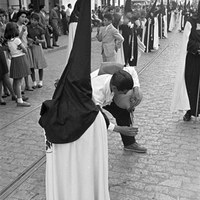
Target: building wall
(3, 4)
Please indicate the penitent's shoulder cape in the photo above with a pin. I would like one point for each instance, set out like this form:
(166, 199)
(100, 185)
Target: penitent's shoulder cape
(71, 111)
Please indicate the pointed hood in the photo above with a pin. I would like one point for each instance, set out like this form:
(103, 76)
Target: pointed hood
(127, 7)
(152, 10)
(162, 8)
(75, 13)
(70, 113)
(198, 9)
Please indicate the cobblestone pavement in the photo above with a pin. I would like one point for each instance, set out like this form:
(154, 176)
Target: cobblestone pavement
(169, 171)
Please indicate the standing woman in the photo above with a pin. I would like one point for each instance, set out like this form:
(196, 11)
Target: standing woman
(36, 38)
(21, 23)
(18, 68)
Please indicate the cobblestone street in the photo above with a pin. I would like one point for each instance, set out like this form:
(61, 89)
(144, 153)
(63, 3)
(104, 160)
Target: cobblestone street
(169, 171)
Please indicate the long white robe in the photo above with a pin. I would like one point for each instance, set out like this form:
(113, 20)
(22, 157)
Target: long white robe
(165, 23)
(180, 99)
(156, 36)
(172, 22)
(79, 170)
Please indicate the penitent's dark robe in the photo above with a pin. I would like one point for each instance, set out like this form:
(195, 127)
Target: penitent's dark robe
(130, 45)
(192, 65)
(149, 35)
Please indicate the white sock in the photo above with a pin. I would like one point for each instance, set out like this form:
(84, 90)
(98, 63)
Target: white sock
(40, 82)
(19, 100)
(34, 83)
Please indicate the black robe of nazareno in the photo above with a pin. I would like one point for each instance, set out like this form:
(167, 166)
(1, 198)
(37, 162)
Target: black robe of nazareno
(149, 34)
(129, 35)
(192, 65)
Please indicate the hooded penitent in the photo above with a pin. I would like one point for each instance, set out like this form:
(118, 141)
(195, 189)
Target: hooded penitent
(127, 7)
(71, 111)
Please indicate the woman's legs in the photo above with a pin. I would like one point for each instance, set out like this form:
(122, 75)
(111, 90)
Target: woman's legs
(2, 102)
(17, 84)
(33, 78)
(8, 84)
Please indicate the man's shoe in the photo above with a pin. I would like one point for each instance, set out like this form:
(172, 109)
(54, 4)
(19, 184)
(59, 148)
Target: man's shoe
(55, 45)
(187, 117)
(23, 104)
(39, 86)
(135, 147)
(24, 98)
(50, 47)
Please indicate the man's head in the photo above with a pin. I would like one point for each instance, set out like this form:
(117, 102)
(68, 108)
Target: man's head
(121, 82)
(69, 5)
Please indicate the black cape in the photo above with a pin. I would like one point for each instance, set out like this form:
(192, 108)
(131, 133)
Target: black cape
(71, 111)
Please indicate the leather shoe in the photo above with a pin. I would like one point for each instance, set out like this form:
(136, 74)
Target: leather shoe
(187, 117)
(23, 104)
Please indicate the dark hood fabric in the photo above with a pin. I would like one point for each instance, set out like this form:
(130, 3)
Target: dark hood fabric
(75, 13)
(71, 111)
(127, 7)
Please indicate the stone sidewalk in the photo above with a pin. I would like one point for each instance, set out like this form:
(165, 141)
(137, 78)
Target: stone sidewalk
(169, 171)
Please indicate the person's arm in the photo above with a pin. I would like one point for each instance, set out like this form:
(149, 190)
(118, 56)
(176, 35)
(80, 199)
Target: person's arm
(41, 40)
(99, 34)
(20, 45)
(24, 29)
(118, 38)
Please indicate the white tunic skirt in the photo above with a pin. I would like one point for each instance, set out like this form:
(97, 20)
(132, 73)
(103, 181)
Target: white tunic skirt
(79, 170)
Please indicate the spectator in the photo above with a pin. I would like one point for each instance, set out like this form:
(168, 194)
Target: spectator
(53, 20)
(45, 25)
(64, 19)
(95, 20)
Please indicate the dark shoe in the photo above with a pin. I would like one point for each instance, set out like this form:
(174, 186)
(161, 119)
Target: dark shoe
(50, 47)
(39, 86)
(187, 117)
(135, 147)
(2, 103)
(5, 95)
(44, 47)
(14, 98)
(23, 104)
(55, 45)
(34, 86)
(24, 98)
(29, 89)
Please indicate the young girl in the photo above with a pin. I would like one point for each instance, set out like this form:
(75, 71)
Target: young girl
(36, 37)
(18, 68)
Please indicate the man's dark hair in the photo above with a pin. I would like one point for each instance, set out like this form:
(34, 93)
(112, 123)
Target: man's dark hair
(108, 16)
(41, 7)
(69, 5)
(122, 80)
(2, 11)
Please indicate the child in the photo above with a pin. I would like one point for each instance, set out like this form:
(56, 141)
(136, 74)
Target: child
(18, 68)
(111, 39)
(36, 37)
